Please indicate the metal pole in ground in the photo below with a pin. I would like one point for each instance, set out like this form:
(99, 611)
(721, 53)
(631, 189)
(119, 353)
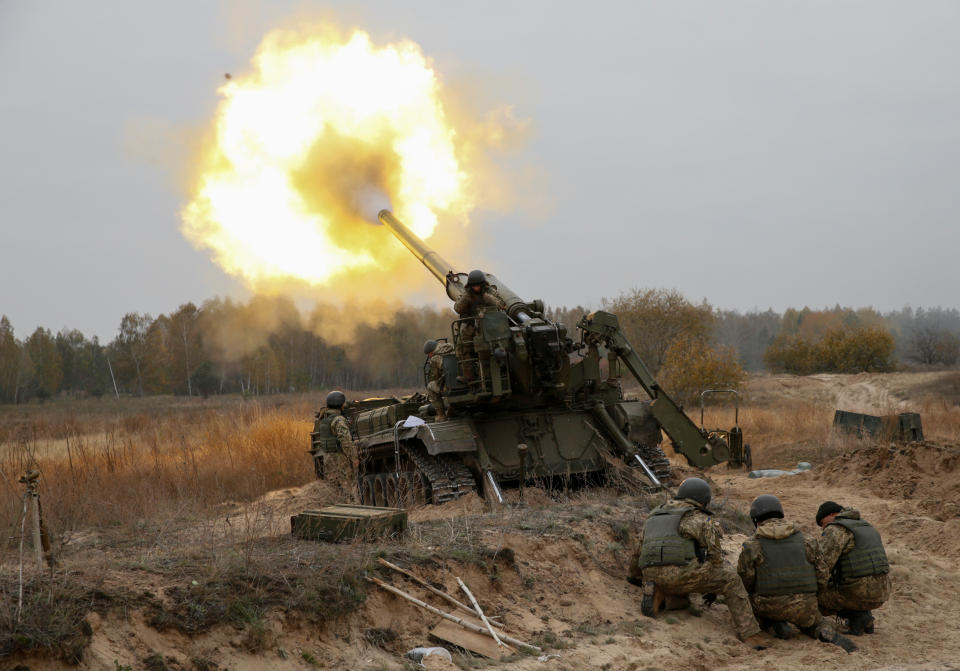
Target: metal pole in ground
(23, 532)
(30, 480)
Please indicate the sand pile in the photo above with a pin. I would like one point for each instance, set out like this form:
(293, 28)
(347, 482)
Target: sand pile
(925, 473)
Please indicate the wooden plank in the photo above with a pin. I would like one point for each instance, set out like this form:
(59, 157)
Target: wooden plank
(423, 583)
(469, 640)
(476, 607)
(466, 622)
(355, 512)
(366, 509)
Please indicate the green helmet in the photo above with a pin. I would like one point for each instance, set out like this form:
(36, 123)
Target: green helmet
(476, 277)
(336, 399)
(764, 507)
(695, 489)
(429, 346)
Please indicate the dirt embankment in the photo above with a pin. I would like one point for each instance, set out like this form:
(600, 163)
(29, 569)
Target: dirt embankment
(553, 571)
(925, 474)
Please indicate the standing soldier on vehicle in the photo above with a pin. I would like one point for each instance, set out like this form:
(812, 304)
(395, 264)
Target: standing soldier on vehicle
(680, 553)
(855, 574)
(433, 368)
(478, 297)
(777, 566)
(331, 438)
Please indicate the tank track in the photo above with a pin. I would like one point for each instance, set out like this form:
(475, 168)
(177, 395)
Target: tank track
(657, 461)
(445, 474)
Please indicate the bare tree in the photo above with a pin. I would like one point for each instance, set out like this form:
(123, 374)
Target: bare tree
(132, 343)
(184, 325)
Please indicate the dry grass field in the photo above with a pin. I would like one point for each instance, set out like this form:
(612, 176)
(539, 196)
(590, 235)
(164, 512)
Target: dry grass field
(170, 520)
(153, 458)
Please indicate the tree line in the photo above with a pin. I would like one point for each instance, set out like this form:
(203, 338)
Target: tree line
(267, 345)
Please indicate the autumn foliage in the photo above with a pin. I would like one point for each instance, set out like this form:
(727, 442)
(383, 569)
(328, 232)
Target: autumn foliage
(839, 350)
(675, 339)
(692, 365)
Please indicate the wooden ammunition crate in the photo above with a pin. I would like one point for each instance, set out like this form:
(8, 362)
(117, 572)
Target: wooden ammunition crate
(346, 522)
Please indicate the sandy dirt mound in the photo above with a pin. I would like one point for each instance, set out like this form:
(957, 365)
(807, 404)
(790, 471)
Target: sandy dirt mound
(925, 473)
(552, 569)
(471, 504)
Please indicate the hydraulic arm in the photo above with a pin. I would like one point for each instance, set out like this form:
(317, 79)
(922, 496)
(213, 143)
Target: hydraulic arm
(700, 449)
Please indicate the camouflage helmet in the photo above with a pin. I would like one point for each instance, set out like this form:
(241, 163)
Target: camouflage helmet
(429, 346)
(336, 399)
(695, 489)
(764, 507)
(476, 277)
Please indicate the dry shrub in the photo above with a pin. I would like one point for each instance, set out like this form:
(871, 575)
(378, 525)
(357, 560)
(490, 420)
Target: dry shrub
(52, 616)
(317, 580)
(691, 365)
(839, 350)
(653, 319)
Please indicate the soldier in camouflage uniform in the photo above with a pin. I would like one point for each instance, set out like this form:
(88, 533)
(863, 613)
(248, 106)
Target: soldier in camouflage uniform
(332, 439)
(855, 574)
(778, 568)
(478, 297)
(434, 374)
(679, 553)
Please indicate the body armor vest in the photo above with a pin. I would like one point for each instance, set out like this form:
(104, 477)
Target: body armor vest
(662, 543)
(323, 438)
(785, 569)
(867, 556)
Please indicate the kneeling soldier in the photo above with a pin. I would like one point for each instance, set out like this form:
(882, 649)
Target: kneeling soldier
(855, 574)
(777, 566)
(680, 554)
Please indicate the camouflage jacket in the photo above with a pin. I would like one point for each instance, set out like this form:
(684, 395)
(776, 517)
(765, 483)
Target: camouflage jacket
(751, 556)
(470, 304)
(834, 541)
(341, 429)
(698, 525)
(435, 366)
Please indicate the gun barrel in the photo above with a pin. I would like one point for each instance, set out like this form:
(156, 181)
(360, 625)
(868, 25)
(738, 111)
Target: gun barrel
(454, 282)
(435, 263)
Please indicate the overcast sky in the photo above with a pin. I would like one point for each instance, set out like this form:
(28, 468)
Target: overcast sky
(756, 154)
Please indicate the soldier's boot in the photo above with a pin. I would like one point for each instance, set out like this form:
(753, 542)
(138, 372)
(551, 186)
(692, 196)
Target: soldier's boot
(781, 629)
(467, 377)
(860, 621)
(653, 599)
